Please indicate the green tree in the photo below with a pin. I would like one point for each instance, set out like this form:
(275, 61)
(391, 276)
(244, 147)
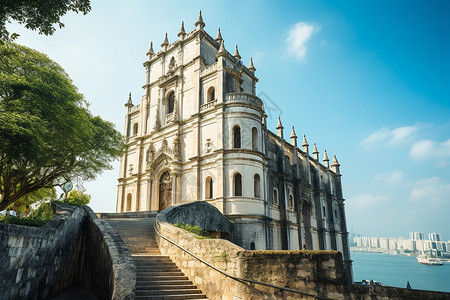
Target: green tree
(78, 198)
(47, 134)
(38, 14)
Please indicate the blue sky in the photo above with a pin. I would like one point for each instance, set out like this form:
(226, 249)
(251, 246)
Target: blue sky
(368, 81)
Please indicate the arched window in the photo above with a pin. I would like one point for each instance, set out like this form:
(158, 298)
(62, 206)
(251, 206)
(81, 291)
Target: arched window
(237, 184)
(129, 197)
(170, 102)
(211, 94)
(135, 128)
(275, 196)
(236, 137)
(252, 246)
(256, 186)
(324, 212)
(254, 139)
(291, 201)
(335, 214)
(209, 188)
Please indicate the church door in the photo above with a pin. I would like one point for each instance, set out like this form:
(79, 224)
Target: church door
(165, 190)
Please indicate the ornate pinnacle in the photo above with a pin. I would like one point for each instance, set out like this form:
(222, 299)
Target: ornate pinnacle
(279, 125)
(150, 51)
(335, 162)
(219, 36)
(222, 50)
(305, 143)
(315, 149)
(325, 156)
(200, 20)
(166, 41)
(129, 103)
(293, 135)
(182, 31)
(236, 53)
(251, 67)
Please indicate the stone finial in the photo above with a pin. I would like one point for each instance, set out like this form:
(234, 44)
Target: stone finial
(335, 165)
(150, 51)
(129, 102)
(293, 137)
(280, 128)
(251, 67)
(236, 53)
(166, 41)
(222, 50)
(219, 36)
(305, 145)
(200, 22)
(325, 159)
(182, 32)
(315, 152)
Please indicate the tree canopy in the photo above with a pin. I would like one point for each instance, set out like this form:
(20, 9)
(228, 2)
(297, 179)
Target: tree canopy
(47, 134)
(38, 14)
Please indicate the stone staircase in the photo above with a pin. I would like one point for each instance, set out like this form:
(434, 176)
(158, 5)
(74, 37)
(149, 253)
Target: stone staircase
(157, 277)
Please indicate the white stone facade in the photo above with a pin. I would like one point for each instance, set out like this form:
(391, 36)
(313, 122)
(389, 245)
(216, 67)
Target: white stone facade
(199, 133)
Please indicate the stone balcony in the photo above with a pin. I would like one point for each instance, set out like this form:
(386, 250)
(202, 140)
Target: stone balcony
(208, 105)
(134, 108)
(245, 99)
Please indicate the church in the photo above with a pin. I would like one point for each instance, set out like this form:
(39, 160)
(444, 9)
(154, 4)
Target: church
(200, 133)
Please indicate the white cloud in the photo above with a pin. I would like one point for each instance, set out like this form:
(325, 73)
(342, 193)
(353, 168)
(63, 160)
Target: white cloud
(390, 177)
(390, 136)
(430, 192)
(429, 149)
(366, 201)
(298, 35)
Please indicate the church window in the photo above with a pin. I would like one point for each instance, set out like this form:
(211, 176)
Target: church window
(135, 128)
(257, 186)
(209, 188)
(324, 212)
(237, 184)
(252, 246)
(129, 197)
(291, 201)
(275, 197)
(211, 94)
(335, 214)
(254, 139)
(170, 102)
(236, 137)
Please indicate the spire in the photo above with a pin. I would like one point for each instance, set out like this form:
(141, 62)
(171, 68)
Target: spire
(150, 51)
(326, 161)
(335, 165)
(305, 145)
(219, 36)
(200, 21)
(129, 103)
(293, 137)
(280, 128)
(251, 67)
(236, 53)
(166, 41)
(315, 152)
(222, 50)
(182, 32)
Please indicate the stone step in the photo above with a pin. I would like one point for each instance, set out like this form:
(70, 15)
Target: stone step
(141, 274)
(161, 277)
(157, 268)
(150, 292)
(144, 283)
(166, 287)
(171, 297)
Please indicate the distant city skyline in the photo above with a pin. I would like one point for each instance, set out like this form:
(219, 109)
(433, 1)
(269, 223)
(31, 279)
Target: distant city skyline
(367, 81)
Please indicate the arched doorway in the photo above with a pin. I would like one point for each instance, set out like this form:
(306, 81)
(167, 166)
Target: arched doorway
(165, 190)
(129, 197)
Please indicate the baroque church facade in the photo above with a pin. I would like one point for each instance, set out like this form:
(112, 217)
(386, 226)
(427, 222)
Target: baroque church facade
(199, 133)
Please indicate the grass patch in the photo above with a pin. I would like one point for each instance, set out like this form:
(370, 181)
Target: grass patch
(26, 221)
(198, 231)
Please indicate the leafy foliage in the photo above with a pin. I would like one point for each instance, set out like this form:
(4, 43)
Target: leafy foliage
(40, 15)
(201, 233)
(48, 134)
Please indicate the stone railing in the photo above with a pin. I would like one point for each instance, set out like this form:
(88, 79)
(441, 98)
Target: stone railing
(208, 105)
(132, 109)
(244, 98)
(209, 69)
(170, 117)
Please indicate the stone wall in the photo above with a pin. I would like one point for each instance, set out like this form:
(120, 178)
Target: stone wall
(73, 247)
(319, 273)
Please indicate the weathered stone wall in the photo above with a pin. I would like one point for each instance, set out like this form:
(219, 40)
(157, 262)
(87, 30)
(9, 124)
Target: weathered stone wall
(73, 247)
(319, 273)
(108, 269)
(37, 263)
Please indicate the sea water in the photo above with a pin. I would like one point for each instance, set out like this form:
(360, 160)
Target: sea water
(396, 270)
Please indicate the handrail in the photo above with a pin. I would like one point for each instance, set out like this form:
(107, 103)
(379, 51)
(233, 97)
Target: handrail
(234, 277)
